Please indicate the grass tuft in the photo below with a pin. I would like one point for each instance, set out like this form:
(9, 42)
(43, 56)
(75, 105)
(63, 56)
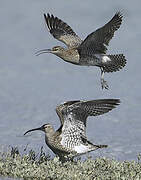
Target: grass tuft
(30, 165)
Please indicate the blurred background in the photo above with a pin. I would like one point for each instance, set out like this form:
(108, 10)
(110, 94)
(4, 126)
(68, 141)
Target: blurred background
(31, 87)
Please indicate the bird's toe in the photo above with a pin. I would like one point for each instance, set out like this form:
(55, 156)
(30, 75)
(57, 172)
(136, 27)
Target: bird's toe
(104, 84)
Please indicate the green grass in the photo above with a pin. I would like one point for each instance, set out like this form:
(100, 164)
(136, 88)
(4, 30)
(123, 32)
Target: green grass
(40, 166)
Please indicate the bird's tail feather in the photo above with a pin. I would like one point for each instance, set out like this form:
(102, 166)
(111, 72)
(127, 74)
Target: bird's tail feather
(95, 147)
(115, 63)
(101, 146)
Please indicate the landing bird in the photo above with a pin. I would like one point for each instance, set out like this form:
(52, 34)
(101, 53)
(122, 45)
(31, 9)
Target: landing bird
(91, 51)
(70, 139)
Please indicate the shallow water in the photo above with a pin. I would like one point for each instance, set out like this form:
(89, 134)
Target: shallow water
(31, 87)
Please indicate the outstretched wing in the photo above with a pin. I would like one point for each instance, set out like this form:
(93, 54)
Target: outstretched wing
(97, 41)
(75, 115)
(81, 110)
(61, 107)
(61, 31)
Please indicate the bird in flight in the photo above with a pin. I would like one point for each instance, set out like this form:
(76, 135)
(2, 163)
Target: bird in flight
(90, 51)
(70, 139)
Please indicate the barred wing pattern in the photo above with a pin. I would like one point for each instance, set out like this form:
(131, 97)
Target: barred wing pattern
(97, 41)
(61, 31)
(60, 108)
(74, 127)
(83, 109)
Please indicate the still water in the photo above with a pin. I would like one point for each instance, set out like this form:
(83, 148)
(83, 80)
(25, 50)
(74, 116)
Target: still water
(31, 87)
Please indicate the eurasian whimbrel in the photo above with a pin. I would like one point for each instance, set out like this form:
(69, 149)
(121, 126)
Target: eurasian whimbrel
(70, 139)
(91, 51)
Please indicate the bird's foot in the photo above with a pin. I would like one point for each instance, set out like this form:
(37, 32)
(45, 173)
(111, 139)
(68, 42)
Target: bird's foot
(104, 84)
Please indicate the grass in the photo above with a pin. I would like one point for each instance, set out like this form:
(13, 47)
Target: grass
(40, 166)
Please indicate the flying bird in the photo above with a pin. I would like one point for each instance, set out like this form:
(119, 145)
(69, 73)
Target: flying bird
(90, 51)
(70, 139)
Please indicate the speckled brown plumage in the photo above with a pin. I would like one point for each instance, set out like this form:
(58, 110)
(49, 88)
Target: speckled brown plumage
(91, 51)
(70, 139)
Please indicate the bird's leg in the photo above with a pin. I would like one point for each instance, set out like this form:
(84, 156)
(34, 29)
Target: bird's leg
(103, 82)
(64, 159)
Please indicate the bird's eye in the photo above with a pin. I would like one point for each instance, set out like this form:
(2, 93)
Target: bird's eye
(55, 48)
(45, 126)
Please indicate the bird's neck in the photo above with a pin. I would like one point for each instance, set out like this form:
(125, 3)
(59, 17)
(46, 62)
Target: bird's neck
(50, 137)
(49, 133)
(70, 55)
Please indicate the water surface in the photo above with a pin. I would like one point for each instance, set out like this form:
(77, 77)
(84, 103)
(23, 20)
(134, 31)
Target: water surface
(31, 87)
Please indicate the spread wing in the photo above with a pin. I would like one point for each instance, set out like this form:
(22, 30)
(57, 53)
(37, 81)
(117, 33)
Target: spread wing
(97, 41)
(82, 109)
(61, 31)
(75, 115)
(61, 107)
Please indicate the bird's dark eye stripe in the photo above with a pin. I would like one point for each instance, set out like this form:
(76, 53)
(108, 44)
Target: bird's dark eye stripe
(55, 48)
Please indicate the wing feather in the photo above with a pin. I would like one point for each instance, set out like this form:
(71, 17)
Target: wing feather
(75, 114)
(81, 110)
(62, 107)
(62, 31)
(97, 41)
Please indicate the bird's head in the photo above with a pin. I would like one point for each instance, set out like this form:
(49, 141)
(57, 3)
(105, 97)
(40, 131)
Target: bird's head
(57, 50)
(47, 128)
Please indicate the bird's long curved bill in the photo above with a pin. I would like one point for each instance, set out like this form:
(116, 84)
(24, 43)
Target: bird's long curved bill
(32, 130)
(43, 51)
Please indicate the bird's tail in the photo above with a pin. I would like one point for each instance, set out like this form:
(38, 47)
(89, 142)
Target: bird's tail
(115, 63)
(101, 146)
(94, 147)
